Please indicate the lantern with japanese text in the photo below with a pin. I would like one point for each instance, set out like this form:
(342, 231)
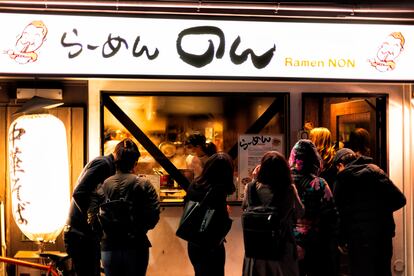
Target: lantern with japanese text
(39, 175)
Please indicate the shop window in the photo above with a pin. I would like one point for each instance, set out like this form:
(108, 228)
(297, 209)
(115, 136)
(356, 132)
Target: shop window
(160, 123)
(342, 114)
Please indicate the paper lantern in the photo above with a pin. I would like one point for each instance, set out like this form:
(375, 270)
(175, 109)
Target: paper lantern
(39, 175)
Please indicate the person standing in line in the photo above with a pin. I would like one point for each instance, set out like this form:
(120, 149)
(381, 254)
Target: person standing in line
(200, 151)
(274, 187)
(321, 138)
(359, 141)
(125, 252)
(81, 242)
(315, 232)
(217, 179)
(366, 199)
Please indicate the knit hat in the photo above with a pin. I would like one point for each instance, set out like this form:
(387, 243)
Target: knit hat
(340, 154)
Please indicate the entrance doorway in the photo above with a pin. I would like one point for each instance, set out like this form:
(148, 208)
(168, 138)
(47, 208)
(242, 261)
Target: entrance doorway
(343, 114)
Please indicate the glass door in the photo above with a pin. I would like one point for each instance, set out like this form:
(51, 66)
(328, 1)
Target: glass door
(348, 116)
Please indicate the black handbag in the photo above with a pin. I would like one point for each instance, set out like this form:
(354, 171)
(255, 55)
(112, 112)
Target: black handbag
(202, 225)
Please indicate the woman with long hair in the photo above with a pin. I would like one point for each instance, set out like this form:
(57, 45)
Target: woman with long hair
(273, 187)
(216, 179)
(321, 138)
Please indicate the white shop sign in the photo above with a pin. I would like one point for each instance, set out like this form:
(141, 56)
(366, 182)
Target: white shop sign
(182, 47)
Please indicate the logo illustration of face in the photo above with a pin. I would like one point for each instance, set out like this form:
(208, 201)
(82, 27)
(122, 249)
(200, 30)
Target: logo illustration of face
(387, 53)
(30, 40)
(390, 49)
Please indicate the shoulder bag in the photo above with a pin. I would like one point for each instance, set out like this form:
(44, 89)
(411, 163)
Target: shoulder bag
(202, 225)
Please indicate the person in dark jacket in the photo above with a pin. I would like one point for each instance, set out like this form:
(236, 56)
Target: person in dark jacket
(315, 232)
(359, 142)
(125, 250)
(274, 188)
(81, 243)
(216, 177)
(366, 199)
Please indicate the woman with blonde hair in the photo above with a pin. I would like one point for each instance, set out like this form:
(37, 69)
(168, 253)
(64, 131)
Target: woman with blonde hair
(321, 138)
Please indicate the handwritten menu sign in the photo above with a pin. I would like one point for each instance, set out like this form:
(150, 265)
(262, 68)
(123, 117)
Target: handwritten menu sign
(251, 149)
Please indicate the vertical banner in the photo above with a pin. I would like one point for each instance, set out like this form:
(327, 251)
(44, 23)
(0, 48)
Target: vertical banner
(252, 147)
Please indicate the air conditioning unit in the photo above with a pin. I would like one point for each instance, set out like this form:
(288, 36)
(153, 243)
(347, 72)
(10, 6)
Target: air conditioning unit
(28, 93)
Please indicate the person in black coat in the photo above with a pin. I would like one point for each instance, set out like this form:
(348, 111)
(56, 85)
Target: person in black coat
(316, 231)
(366, 199)
(216, 177)
(81, 243)
(135, 210)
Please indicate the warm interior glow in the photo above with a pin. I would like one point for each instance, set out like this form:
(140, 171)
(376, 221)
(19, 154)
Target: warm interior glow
(39, 175)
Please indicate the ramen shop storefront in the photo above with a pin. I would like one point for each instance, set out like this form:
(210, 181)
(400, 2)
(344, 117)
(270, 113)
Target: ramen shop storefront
(159, 79)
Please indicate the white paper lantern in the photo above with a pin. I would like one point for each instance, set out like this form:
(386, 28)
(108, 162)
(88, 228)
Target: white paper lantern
(39, 175)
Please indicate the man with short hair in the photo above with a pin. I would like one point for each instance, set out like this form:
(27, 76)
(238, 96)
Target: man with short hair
(366, 199)
(81, 242)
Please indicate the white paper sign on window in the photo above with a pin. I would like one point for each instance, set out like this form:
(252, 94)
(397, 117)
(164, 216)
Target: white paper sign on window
(251, 148)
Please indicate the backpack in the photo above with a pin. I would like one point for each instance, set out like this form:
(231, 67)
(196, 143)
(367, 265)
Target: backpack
(117, 216)
(264, 235)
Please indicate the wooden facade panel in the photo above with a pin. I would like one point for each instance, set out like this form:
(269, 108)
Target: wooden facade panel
(77, 145)
(65, 115)
(3, 157)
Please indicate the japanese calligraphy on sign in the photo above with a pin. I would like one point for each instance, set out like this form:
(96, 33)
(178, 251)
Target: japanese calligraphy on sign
(179, 47)
(17, 170)
(251, 149)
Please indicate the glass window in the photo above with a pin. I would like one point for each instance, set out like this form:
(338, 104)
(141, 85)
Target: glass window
(161, 124)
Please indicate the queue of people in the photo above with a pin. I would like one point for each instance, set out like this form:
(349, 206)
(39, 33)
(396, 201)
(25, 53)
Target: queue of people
(330, 201)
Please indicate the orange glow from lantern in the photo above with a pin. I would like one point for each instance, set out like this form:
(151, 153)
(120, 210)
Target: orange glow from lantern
(39, 175)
